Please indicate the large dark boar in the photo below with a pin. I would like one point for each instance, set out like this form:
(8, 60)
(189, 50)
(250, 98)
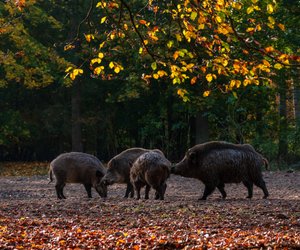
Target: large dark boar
(76, 167)
(151, 169)
(118, 168)
(216, 163)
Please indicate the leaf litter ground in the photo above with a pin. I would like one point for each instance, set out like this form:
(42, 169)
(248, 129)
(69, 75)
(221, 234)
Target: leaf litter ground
(31, 217)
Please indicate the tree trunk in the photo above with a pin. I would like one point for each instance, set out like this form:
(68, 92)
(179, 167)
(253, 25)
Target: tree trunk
(201, 131)
(296, 84)
(282, 146)
(76, 118)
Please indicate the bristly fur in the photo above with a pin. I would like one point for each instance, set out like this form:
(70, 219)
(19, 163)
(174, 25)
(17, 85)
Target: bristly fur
(216, 163)
(151, 169)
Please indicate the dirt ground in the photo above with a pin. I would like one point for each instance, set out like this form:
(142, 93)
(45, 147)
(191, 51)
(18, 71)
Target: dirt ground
(31, 217)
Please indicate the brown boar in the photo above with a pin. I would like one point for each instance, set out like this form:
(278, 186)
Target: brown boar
(118, 169)
(151, 169)
(216, 163)
(77, 167)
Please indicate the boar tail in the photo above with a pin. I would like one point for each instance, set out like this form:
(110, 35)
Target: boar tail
(50, 175)
(266, 162)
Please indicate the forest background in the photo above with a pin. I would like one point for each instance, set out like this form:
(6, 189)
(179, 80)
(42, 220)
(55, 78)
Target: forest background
(54, 99)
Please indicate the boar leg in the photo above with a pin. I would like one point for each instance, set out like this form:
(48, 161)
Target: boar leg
(222, 190)
(261, 184)
(160, 192)
(88, 188)
(138, 185)
(147, 190)
(129, 190)
(59, 190)
(249, 186)
(207, 191)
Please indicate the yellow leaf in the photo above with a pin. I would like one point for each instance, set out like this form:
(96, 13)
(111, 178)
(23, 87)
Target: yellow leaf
(72, 76)
(206, 93)
(281, 26)
(155, 76)
(209, 77)
(270, 8)
(218, 19)
(232, 83)
(68, 69)
(250, 29)
(162, 73)
(89, 37)
(271, 20)
(254, 1)
(246, 82)
(98, 70)
(278, 66)
(193, 15)
(101, 45)
(258, 27)
(170, 44)
(101, 55)
(117, 69)
(154, 65)
(178, 37)
(111, 65)
(140, 50)
(101, 4)
(103, 19)
(224, 62)
(250, 10)
(237, 6)
(69, 46)
(181, 92)
(95, 60)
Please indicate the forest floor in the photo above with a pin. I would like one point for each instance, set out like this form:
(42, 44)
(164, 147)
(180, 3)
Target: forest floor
(31, 217)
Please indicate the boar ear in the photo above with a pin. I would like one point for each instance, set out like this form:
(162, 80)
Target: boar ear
(193, 158)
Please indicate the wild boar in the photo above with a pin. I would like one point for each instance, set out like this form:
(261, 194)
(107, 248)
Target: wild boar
(216, 163)
(118, 169)
(77, 167)
(151, 169)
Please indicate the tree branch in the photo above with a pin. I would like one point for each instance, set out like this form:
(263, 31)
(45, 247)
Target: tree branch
(136, 30)
(260, 50)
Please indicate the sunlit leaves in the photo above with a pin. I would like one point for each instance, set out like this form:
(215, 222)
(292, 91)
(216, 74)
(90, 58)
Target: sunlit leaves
(270, 8)
(116, 67)
(215, 41)
(103, 19)
(210, 77)
(183, 94)
(69, 46)
(206, 93)
(75, 73)
(89, 37)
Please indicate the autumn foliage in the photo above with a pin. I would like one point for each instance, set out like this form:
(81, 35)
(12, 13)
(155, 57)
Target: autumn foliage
(31, 217)
(218, 44)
